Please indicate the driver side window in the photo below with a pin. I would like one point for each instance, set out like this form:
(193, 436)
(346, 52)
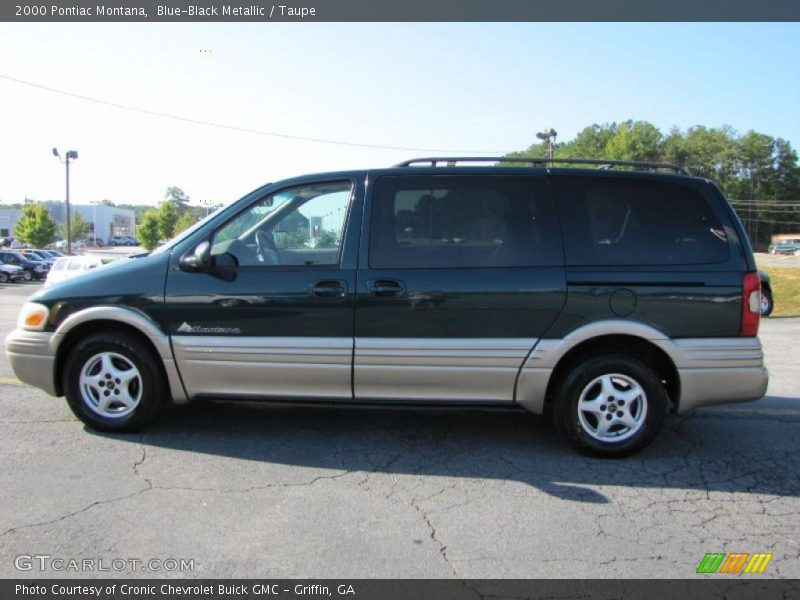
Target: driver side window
(300, 226)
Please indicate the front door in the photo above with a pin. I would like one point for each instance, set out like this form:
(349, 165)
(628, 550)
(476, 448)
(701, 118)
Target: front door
(277, 322)
(459, 278)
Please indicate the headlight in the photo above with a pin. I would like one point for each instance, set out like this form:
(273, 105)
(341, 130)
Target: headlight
(33, 317)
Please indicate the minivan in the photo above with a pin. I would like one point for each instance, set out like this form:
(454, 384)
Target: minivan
(605, 293)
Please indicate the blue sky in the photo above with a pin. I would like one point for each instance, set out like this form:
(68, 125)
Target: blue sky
(470, 87)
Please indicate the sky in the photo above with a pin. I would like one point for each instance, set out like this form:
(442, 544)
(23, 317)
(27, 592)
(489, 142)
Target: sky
(431, 88)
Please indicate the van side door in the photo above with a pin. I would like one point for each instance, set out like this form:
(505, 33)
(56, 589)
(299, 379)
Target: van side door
(458, 278)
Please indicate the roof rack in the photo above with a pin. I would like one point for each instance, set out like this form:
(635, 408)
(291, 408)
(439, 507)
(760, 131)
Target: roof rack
(452, 161)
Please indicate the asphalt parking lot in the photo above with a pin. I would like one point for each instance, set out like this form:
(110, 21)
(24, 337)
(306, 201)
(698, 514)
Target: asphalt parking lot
(282, 491)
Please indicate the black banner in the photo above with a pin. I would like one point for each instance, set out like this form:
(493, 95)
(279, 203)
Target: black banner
(401, 10)
(407, 589)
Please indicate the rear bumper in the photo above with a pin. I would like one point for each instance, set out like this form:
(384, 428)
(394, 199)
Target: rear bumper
(32, 358)
(719, 371)
(705, 387)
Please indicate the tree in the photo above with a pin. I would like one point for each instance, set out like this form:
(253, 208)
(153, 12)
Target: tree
(178, 198)
(148, 229)
(167, 219)
(185, 221)
(79, 227)
(635, 140)
(35, 226)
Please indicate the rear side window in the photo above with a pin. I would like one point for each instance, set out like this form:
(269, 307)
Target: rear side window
(637, 222)
(462, 221)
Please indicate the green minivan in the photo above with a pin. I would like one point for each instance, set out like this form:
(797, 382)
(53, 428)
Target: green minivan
(607, 297)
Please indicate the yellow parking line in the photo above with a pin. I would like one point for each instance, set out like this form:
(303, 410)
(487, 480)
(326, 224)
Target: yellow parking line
(10, 381)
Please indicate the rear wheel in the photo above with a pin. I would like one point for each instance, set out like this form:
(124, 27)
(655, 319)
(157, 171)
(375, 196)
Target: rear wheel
(610, 406)
(766, 303)
(3, 277)
(113, 383)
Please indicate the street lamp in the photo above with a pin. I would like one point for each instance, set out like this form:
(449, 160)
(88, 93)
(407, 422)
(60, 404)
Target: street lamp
(550, 136)
(208, 204)
(71, 154)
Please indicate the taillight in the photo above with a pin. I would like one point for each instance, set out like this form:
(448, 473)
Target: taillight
(751, 304)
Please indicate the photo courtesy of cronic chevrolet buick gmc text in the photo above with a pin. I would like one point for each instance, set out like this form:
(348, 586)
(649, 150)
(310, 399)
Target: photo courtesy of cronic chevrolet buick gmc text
(606, 296)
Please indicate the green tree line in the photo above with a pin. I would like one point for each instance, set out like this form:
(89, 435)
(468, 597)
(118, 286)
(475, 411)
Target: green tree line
(758, 173)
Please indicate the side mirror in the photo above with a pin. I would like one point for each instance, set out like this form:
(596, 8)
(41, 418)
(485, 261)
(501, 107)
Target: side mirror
(197, 259)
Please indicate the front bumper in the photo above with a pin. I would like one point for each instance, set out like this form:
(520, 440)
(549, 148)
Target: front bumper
(32, 358)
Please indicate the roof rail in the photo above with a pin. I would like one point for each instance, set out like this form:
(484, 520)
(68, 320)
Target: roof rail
(452, 161)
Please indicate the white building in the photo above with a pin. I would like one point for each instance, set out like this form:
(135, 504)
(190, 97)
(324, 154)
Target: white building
(108, 221)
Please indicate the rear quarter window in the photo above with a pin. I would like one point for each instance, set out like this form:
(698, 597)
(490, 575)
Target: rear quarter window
(463, 222)
(612, 222)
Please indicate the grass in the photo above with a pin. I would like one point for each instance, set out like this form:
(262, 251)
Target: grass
(785, 290)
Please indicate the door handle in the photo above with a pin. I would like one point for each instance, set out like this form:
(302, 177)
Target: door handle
(328, 289)
(386, 288)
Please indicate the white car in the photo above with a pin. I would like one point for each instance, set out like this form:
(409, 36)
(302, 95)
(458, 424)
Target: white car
(68, 267)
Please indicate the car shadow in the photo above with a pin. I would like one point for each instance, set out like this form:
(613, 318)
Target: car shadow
(747, 448)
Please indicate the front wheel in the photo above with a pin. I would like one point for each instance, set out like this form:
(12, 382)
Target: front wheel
(610, 406)
(3, 277)
(113, 383)
(27, 275)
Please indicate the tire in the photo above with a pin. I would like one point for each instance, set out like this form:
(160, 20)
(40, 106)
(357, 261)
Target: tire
(590, 384)
(27, 275)
(113, 383)
(766, 303)
(3, 277)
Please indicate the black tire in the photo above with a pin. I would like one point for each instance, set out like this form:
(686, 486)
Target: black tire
(766, 302)
(27, 275)
(150, 388)
(3, 277)
(577, 430)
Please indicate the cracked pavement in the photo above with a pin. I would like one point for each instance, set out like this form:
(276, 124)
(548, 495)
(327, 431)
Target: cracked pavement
(287, 491)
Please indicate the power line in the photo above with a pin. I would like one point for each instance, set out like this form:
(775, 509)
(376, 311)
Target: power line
(155, 113)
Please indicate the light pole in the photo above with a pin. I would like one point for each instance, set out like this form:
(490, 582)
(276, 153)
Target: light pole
(71, 154)
(550, 136)
(208, 204)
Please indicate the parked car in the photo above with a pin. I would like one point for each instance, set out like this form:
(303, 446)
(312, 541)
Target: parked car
(31, 269)
(10, 273)
(76, 244)
(785, 247)
(605, 297)
(68, 267)
(122, 240)
(40, 255)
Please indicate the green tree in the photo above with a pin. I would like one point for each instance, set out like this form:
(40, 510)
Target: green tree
(178, 198)
(635, 140)
(79, 227)
(185, 221)
(167, 220)
(35, 226)
(148, 229)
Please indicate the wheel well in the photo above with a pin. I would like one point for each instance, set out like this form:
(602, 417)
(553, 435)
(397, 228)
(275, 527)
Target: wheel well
(92, 327)
(629, 345)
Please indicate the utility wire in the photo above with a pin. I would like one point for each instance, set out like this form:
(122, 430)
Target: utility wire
(155, 113)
